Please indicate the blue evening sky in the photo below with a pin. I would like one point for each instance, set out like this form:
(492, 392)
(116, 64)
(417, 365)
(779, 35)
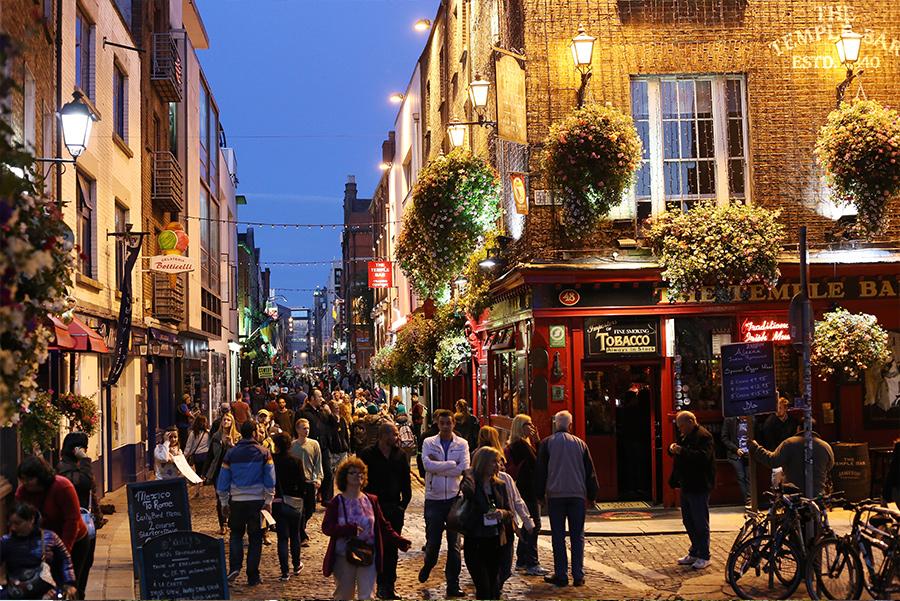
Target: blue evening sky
(302, 88)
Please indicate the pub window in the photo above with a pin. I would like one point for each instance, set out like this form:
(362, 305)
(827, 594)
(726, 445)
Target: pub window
(84, 53)
(698, 385)
(505, 383)
(84, 207)
(694, 136)
(121, 220)
(120, 116)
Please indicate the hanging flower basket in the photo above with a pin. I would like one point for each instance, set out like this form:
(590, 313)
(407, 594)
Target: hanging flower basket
(859, 148)
(36, 263)
(81, 412)
(39, 423)
(454, 202)
(475, 297)
(848, 344)
(453, 352)
(590, 158)
(733, 245)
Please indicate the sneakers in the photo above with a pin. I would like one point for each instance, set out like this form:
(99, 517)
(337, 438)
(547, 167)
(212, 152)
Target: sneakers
(700, 564)
(233, 574)
(537, 571)
(687, 560)
(284, 577)
(297, 568)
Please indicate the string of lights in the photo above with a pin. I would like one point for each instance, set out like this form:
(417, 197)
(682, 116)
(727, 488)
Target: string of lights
(273, 225)
(318, 262)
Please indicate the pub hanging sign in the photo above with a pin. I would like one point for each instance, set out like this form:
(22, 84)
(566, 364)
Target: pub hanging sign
(614, 337)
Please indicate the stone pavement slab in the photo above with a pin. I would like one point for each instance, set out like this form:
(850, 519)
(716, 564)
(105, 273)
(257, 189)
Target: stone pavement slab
(112, 575)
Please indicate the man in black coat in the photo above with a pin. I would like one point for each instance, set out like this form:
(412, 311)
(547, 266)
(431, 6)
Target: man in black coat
(694, 472)
(323, 429)
(388, 480)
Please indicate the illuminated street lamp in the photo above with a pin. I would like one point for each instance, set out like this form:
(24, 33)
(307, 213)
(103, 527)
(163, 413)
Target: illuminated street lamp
(848, 53)
(582, 47)
(478, 92)
(422, 25)
(396, 97)
(77, 119)
(457, 134)
(384, 165)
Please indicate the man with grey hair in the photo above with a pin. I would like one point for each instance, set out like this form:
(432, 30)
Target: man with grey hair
(565, 476)
(694, 472)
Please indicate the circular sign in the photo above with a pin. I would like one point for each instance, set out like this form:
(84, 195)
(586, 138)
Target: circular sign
(569, 297)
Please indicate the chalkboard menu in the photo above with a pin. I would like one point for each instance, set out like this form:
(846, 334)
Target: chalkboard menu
(156, 507)
(183, 565)
(748, 378)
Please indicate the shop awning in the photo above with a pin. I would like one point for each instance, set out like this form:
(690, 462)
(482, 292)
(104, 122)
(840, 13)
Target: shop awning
(86, 339)
(62, 340)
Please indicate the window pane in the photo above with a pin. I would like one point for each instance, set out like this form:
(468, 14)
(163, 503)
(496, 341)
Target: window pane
(643, 130)
(639, 104)
(79, 42)
(735, 138)
(686, 98)
(642, 186)
(733, 97)
(644, 210)
(688, 140)
(736, 177)
(689, 178)
(670, 139)
(670, 177)
(705, 139)
(707, 178)
(704, 99)
(669, 99)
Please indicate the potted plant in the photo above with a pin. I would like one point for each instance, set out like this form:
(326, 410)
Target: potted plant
(590, 159)
(859, 148)
(39, 423)
(81, 412)
(719, 246)
(846, 344)
(454, 202)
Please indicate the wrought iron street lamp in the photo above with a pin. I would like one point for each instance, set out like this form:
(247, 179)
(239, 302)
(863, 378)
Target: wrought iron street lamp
(478, 97)
(848, 52)
(457, 134)
(77, 119)
(396, 97)
(582, 47)
(478, 92)
(422, 25)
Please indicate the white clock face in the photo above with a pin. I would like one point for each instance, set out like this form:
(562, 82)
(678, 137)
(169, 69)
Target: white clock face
(557, 332)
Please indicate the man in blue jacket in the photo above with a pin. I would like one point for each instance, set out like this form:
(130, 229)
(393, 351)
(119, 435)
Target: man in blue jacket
(246, 486)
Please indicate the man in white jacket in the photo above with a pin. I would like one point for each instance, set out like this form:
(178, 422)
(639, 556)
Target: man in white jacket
(446, 457)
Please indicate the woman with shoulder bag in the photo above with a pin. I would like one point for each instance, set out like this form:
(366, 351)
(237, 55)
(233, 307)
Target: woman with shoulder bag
(224, 438)
(36, 561)
(489, 523)
(288, 505)
(357, 528)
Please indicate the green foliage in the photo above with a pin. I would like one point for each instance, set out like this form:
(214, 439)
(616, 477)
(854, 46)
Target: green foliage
(732, 245)
(590, 158)
(849, 343)
(454, 202)
(39, 423)
(475, 297)
(36, 261)
(453, 351)
(81, 412)
(859, 147)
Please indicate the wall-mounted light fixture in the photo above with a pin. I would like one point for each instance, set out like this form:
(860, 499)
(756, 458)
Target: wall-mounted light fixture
(422, 25)
(848, 52)
(77, 120)
(582, 47)
(396, 97)
(478, 96)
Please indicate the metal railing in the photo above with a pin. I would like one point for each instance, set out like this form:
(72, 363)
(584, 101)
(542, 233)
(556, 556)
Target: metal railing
(166, 71)
(168, 182)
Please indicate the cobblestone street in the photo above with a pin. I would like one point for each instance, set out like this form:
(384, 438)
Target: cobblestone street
(616, 567)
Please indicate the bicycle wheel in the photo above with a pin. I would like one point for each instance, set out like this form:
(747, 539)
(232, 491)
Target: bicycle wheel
(764, 567)
(750, 529)
(834, 570)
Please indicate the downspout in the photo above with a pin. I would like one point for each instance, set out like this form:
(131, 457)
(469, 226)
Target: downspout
(59, 166)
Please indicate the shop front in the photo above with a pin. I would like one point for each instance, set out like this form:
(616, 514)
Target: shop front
(607, 344)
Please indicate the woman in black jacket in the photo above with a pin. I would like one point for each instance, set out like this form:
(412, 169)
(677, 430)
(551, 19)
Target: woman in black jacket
(521, 461)
(489, 524)
(288, 504)
(75, 466)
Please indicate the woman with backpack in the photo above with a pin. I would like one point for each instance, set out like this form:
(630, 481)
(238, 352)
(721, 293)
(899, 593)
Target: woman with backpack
(25, 552)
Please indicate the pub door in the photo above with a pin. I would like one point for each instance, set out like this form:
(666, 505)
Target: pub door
(621, 405)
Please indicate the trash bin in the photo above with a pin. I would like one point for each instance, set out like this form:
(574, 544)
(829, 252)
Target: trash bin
(852, 472)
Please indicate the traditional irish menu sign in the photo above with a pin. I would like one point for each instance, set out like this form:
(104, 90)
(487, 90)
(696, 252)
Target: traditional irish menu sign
(748, 378)
(614, 337)
(154, 508)
(183, 565)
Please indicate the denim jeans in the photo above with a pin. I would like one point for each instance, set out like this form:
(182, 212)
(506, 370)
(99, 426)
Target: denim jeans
(561, 510)
(246, 516)
(742, 472)
(435, 524)
(695, 516)
(287, 524)
(527, 548)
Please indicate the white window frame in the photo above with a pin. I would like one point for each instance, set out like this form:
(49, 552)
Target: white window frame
(29, 125)
(628, 209)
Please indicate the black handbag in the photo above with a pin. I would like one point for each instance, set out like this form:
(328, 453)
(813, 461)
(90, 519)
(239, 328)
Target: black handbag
(359, 552)
(459, 514)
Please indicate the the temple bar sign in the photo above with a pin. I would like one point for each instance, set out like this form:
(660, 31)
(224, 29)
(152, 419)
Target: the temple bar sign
(511, 122)
(614, 337)
(861, 287)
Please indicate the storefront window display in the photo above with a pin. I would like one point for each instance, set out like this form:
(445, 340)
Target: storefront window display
(698, 342)
(509, 386)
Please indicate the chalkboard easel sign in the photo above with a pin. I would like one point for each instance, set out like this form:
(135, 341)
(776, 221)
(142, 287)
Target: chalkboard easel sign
(748, 378)
(183, 565)
(156, 507)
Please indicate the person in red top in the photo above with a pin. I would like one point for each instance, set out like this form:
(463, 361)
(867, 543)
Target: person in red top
(240, 409)
(55, 497)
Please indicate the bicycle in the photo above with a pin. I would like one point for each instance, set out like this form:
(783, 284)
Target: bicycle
(839, 567)
(770, 561)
